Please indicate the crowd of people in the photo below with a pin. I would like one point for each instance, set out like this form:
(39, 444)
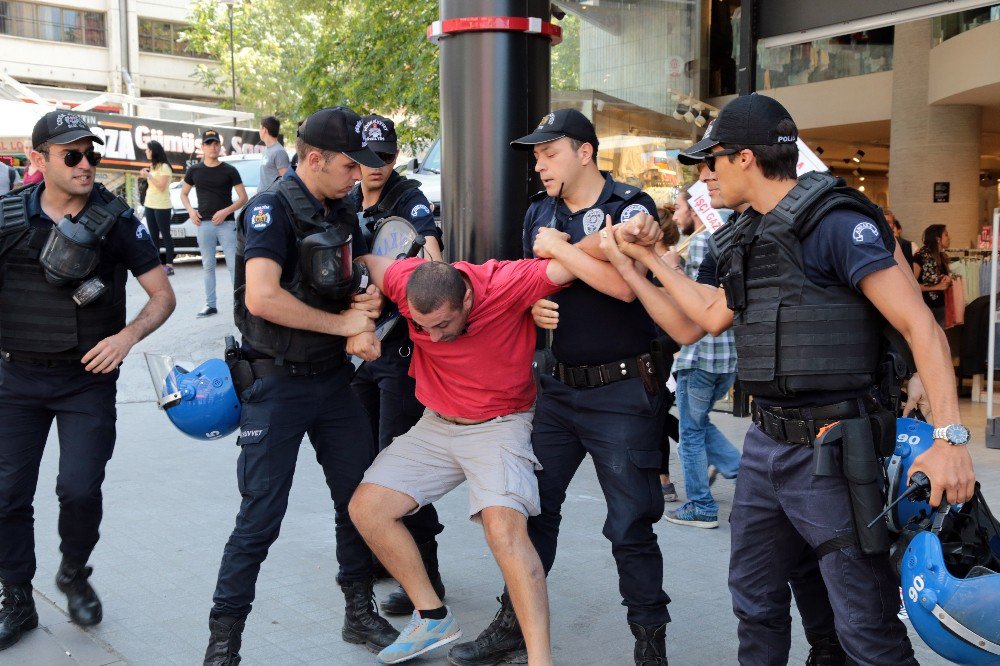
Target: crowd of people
(448, 395)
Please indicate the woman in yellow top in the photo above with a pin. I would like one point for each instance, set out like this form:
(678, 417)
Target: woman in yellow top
(157, 202)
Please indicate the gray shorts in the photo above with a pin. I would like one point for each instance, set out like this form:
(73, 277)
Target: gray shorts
(436, 456)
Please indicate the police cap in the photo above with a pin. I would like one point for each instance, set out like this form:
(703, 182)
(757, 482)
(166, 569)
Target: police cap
(338, 128)
(556, 125)
(61, 127)
(748, 120)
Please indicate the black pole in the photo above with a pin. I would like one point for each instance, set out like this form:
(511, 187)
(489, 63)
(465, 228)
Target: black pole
(232, 54)
(746, 75)
(494, 88)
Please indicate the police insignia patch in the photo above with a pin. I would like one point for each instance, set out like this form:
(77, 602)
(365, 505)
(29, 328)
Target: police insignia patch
(632, 211)
(260, 217)
(140, 232)
(592, 220)
(548, 119)
(420, 210)
(864, 232)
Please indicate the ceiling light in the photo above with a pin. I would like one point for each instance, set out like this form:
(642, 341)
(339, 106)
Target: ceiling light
(858, 156)
(819, 150)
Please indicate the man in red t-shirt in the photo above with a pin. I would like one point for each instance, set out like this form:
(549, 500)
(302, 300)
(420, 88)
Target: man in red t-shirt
(479, 394)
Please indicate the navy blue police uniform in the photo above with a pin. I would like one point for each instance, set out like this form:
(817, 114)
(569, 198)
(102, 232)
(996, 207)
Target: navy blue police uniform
(384, 385)
(43, 336)
(783, 512)
(595, 403)
(305, 389)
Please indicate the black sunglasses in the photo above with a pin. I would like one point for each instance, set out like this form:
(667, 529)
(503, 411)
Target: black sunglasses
(710, 158)
(388, 158)
(74, 157)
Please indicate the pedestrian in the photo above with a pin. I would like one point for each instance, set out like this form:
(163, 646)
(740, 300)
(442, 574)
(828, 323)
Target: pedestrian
(705, 370)
(275, 161)
(384, 385)
(63, 336)
(9, 178)
(908, 247)
(808, 273)
(296, 324)
(32, 175)
(158, 208)
(930, 268)
(214, 182)
(473, 339)
(603, 399)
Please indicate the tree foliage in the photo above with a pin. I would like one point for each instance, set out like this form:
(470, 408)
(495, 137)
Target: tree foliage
(566, 56)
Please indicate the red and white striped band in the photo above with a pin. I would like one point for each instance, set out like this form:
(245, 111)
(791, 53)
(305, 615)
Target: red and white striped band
(535, 26)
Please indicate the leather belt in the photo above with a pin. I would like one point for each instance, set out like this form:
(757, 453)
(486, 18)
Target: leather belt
(799, 425)
(17, 357)
(592, 376)
(267, 367)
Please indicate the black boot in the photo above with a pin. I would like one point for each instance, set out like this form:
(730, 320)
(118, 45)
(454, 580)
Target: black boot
(224, 640)
(84, 606)
(650, 644)
(397, 603)
(826, 651)
(500, 643)
(362, 623)
(17, 612)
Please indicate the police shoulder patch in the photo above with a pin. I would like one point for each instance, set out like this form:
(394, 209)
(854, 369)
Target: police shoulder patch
(260, 217)
(419, 210)
(633, 210)
(141, 233)
(865, 232)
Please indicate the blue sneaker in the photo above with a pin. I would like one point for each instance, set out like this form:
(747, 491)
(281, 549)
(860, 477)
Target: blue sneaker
(688, 514)
(420, 636)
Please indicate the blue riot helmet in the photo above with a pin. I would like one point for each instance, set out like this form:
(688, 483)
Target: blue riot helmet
(912, 438)
(950, 575)
(201, 403)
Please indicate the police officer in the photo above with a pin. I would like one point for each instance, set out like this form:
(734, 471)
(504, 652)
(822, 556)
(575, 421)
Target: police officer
(810, 276)
(384, 385)
(602, 399)
(293, 308)
(66, 245)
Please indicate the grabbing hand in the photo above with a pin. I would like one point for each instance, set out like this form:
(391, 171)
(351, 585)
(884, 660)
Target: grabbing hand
(609, 245)
(546, 314)
(365, 346)
(354, 322)
(950, 470)
(642, 229)
(547, 240)
(108, 353)
(371, 300)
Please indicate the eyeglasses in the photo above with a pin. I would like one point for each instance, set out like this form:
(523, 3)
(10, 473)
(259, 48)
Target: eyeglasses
(710, 158)
(388, 158)
(73, 157)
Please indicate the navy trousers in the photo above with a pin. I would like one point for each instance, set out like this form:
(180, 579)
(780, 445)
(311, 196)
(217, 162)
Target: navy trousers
(277, 412)
(83, 406)
(388, 394)
(781, 511)
(620, 426)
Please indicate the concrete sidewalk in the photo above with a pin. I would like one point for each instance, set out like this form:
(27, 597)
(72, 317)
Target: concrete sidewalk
(170, 504)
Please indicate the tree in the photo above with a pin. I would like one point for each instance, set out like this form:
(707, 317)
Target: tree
(566, 56)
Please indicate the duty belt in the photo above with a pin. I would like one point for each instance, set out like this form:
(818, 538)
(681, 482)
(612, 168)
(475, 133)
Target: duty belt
(592, 376)
(268, 367)
(48, 362)
(800, 425)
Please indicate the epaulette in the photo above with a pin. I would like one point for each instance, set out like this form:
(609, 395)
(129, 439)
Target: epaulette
(627, 192)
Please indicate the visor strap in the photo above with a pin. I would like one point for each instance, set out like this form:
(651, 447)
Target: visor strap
(963, 632)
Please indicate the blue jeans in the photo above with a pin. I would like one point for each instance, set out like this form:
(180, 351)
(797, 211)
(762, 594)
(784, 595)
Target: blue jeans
(702, 443)
(210, 235)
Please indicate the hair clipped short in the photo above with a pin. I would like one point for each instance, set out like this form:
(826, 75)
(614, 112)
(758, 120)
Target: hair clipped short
(433, 284)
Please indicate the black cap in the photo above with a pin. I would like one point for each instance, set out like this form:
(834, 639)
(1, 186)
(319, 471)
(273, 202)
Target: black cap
(379, 133)
(210, 136)
(338, 128)
(61, 127)
(748, 120)
(556, 125)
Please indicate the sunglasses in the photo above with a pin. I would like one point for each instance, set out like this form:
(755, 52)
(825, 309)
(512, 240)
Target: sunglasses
(73, 157)
(388, 158)
(710, 158)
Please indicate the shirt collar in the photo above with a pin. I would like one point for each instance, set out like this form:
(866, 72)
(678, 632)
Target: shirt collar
(606, 192)
(34, 207)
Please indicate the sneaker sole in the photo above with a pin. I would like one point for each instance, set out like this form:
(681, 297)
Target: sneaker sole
(433, 646)
(513, 657)
(704, 524)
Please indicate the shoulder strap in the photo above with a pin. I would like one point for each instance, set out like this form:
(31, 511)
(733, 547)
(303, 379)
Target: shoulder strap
(808, 190)
(388, 204)
(14, 212)
(300, 207)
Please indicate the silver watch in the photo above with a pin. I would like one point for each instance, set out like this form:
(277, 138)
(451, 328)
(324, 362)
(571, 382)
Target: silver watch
(956, 433)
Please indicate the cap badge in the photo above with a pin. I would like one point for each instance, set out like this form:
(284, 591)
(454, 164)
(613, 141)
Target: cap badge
(373, 131)
(548, 119)
(786, 139)
(71, 120)
(357, 127)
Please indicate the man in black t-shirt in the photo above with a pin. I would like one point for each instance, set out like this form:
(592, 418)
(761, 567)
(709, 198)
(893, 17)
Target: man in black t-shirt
(214, 182)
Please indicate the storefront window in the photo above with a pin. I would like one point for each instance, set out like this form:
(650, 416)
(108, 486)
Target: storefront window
(57, 24)
(952, 25)
(825, 59)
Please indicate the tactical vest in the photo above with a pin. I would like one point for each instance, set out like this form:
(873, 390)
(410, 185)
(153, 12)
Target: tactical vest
(281, 342)
(37, 318)
(385, 207)
(793, 336)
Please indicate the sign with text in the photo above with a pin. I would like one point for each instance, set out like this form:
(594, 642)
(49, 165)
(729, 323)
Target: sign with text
(942, 192)
(808, 160)
(701, 204)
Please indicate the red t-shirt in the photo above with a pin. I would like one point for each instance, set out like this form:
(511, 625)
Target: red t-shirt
(486, 371)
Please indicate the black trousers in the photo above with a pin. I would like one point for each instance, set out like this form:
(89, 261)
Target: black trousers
(388, 393)
(83, 406)
(158, 221)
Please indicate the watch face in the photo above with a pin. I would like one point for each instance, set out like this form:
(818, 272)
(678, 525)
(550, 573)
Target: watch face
(957, 434)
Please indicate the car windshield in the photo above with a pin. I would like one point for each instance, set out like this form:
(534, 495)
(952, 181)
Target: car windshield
(249, 171)
(432, 162)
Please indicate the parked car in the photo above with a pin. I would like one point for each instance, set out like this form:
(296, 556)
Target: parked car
(428, 172)
(182, 230)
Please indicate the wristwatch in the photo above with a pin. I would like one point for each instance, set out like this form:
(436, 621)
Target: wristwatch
(956, 433)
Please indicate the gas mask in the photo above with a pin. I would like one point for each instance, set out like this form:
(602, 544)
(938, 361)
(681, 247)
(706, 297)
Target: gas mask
(72, 250)
(325, 260)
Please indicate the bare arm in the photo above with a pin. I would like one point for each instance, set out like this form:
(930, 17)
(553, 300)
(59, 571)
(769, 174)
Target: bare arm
(111, 351)
(376, 268)
(192, 213)
(241, 199)
(432, 249)
(703, 304)
(597, 273)
(948, 467)
(265, 298)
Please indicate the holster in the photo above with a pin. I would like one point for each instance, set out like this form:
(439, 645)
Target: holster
(661, 351)
(544, 363)
(239, 366)
(865, 482)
